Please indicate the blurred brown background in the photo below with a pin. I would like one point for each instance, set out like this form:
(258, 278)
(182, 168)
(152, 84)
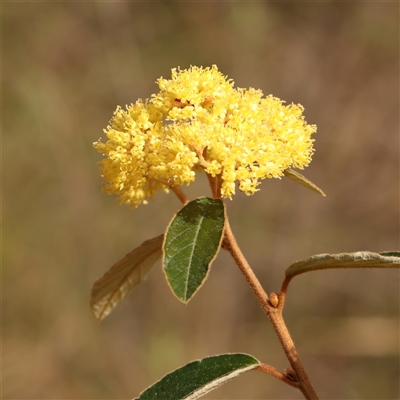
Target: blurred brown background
(66, 66)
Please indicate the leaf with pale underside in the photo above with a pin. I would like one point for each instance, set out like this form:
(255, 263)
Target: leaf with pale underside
(390, 253)
(114, 285)
(199, 377)
(297, 177)
(360, 259)
(191, 243)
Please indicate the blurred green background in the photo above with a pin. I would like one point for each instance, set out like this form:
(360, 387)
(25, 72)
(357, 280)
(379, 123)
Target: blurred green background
(66, 66)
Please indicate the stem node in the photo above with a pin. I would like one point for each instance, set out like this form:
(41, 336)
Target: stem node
(272, 307)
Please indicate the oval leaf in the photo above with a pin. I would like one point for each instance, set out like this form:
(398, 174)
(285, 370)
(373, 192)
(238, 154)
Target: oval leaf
(191, 243)
(360, 259)
(199, 377)
(114, 285)
(294, 175)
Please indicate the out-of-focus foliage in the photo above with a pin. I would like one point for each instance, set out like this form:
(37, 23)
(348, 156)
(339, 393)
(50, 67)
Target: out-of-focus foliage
(109, 290)
(66, 65)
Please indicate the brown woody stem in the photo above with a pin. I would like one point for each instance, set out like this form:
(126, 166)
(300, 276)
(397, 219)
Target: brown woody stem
(179, 193)
(274, 314)
(215, 185)
(231, 245)
(277, 374)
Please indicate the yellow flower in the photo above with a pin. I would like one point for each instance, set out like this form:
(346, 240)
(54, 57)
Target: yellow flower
(199, 121)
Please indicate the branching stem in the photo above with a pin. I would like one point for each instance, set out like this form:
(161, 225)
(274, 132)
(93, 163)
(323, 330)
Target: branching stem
(274, 314)
(277, 374)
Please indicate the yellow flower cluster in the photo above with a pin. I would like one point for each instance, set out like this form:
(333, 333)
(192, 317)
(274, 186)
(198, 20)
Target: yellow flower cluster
(199, 121)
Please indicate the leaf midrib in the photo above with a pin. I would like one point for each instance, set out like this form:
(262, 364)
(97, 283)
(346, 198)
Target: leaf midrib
(192, 252)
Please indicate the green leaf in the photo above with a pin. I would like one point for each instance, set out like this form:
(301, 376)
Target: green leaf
(360, 259)
(191, 243)
(199, 377)
(297, 177)
(114, 285)
(390, 253)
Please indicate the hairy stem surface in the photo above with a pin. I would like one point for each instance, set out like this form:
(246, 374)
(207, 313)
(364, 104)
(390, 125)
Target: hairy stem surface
(274, 314)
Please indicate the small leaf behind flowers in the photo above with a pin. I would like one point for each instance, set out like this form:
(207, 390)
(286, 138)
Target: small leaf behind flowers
(114, 285)
(191, 243)
(360, 259)
(297, 177)
(199, 377)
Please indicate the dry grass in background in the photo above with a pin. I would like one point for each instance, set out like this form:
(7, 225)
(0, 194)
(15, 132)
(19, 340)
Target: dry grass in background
(66, 66)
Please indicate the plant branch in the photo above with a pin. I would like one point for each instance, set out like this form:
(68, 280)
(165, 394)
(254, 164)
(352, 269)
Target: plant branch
(282, 294)
(179, 193)
(277, 374)
(175, 188)
(276, 318)
(273, 311)
(215, 185)
(231, 245)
